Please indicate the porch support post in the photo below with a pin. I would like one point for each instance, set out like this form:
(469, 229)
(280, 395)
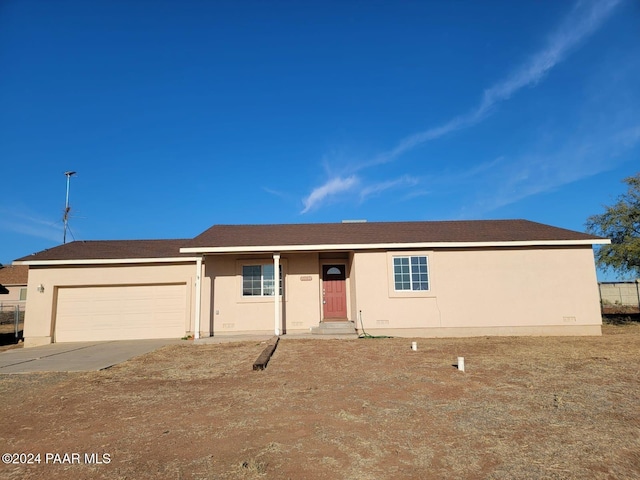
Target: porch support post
(197, 309)
(276, 292)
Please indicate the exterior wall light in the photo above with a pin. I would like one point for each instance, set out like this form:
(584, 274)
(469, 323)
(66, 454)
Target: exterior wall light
(40, 288)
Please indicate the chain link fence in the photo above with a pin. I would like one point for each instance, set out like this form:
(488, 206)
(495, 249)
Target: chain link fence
(11, 323)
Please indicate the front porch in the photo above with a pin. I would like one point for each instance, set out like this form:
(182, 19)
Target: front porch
(241, 294)
(335, 328)
(216, 339)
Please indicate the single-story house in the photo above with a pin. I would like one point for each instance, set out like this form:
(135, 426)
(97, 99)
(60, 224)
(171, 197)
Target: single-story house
(13, 285)
(413, 279)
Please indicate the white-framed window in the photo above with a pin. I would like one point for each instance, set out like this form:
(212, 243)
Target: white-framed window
(411, 273)
(23, 294)
(258, 280)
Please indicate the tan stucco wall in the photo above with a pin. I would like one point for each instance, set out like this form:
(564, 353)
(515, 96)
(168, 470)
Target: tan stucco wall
(40, 315)
(233, 313)
(535, 291)
(303, 283)
(501, 290)
(543, 291)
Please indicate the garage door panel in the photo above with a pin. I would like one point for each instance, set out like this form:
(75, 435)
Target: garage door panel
(120, 312)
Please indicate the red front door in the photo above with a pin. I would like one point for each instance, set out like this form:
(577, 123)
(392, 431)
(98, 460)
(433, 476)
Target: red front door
(334, 292)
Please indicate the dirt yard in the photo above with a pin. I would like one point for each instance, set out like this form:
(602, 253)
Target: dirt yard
(526, 408)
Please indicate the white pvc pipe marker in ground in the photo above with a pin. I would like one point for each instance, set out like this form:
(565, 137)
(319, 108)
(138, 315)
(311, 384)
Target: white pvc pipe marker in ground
(414, 346)
(461, 364)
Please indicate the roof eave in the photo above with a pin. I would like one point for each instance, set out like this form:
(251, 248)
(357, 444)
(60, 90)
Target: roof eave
(392, 246)
(106, 261)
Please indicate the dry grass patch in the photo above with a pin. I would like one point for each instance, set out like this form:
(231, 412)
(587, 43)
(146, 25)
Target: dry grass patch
(555, 408)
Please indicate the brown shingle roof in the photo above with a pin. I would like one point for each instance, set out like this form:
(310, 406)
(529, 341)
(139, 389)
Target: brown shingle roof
(382, 233)
(369, 233)
(110, 250)
(14, 274)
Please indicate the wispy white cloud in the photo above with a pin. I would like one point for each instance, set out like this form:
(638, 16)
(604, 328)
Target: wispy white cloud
(627, 138)
(378, 188)
(417, 193)
(333, 187)
(277, 193)
(355, 187)
(29, 224)
(584, 19)
(542, 172)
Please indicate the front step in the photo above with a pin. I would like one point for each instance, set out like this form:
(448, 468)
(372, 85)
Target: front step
(334, 328)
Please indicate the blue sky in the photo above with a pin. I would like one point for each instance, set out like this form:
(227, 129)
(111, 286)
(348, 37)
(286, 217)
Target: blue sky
(181, 115)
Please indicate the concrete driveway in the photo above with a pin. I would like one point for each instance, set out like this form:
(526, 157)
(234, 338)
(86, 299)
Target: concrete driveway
(77, 356)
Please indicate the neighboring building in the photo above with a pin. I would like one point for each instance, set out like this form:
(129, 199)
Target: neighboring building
(13, 285)
(427, 279)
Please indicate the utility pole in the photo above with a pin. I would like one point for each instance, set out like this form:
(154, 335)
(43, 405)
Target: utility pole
(67, 208)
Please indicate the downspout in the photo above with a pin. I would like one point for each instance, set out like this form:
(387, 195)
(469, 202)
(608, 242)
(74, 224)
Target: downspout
(196, 333)
(276, 293)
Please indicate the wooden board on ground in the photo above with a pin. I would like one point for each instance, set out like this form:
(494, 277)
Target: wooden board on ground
(265, 356)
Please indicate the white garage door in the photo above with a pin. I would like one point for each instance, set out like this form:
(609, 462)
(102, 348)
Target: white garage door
(120, 312)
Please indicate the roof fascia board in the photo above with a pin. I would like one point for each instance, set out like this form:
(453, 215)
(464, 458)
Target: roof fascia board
(107, 261)
(392, 246)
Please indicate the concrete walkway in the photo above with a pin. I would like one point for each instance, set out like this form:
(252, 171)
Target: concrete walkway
(77, 356)
(93, 356)
(266, 337)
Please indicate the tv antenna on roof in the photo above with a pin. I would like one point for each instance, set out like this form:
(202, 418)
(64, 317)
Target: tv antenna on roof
(67, 208)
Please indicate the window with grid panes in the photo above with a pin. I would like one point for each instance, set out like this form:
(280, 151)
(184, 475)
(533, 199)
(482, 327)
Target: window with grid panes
(411, 273)
(258, 280)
